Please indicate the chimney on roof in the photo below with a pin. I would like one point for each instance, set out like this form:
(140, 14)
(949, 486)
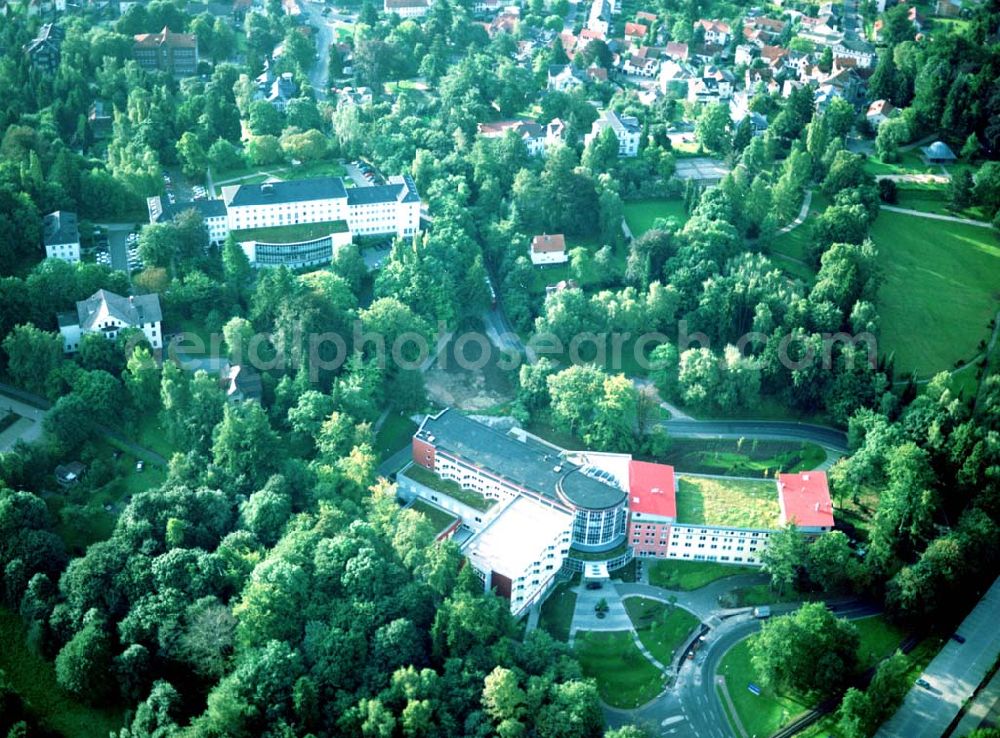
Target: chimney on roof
(805, 477)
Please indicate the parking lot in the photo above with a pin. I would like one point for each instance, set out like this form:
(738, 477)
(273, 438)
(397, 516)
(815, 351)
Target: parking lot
(363, 174)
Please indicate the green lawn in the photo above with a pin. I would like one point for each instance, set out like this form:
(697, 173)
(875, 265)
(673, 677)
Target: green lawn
(879, 639)
(641, 214)
(940, 291)
(793, 244)
(625, 678)
(688, 575)
(395, 434)
(446, 486)
(557, 610)
(437, 517)
(760, 714)
(661, 628)
(291, 233)
(737, 457)
(34, 679)
(933, 199)
(543, 276)
(727, 502)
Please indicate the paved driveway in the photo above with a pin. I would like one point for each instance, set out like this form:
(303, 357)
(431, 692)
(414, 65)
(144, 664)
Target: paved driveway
(585, 617)
(28, 428)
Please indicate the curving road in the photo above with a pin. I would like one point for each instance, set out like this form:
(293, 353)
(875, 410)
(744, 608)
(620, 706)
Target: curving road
(693, 708)
(782, 430)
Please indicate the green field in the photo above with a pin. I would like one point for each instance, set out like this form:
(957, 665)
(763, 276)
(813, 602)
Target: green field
(437, 517)
(940, 292)
(736, 457)
(760, 714)
(641, 214)
(766, 713)
(557, 610)
(625, 678)
(34, 679)
(932, 199)
(727, 502)
(789, 248)
(291, 233)
(446, 486)
(661, 628)
(688, 575)
(543, 276)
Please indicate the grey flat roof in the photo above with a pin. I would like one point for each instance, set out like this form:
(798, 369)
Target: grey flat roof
(526, 465)
(295, 190)
(60, 227)
(206, 208)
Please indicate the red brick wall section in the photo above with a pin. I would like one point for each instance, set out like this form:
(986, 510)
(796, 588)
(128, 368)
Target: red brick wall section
(501, 585)
(423, 454)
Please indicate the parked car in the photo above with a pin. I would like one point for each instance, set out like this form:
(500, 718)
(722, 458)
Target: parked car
(923, 683)
(958, 638)
(140, 465)
(594, 585)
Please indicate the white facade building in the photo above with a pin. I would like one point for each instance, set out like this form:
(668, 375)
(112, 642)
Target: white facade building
(406, 8)
(520, 551)
(61, 236)
(212, 211)
(548, 249)
(707, 543)
(626, 128)
(108, 314)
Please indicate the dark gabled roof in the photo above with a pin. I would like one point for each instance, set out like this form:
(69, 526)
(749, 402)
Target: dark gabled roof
(60, 227)
(528, 465)
(296, 190)
(130, 310)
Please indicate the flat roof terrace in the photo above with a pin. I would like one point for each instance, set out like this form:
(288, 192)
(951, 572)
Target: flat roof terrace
(722, 502)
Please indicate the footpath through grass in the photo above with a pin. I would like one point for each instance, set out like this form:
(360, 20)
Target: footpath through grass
(941, 290)
(661, 628)
(34, 679)
(688, 575)
(625, 678)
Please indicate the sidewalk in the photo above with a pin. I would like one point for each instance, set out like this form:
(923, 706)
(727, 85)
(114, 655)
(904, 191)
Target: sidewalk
(936, 216)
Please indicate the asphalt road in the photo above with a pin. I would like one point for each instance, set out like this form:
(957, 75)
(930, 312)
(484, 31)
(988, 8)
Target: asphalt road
(776, 429)
(953, 675)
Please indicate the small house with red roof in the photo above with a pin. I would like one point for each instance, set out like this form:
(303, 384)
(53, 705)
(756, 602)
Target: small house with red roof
(548, 248)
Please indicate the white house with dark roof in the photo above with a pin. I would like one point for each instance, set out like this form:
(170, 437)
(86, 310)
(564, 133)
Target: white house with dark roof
(61, 236)
(528, 131)
(626, 129)
(107, 314)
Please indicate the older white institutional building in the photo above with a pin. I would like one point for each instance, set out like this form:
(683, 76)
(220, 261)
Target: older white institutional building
(245, 210)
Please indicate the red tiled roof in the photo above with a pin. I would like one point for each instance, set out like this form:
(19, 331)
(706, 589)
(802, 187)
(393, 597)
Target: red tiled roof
(166, 37)
(805, 499)
(713, 25)
(548, 243)
(677, 49)
(642, 15)
(880, 107)
(651, 489)
(636, 30)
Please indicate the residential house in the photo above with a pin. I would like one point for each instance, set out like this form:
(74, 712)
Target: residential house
(599, 17)
(563, 77)
(100, 119)
(548, 249)
(860, 52)
(714, 85)
(107, 314)
(626, 129)
(69, 474)
(676, 51)
(760, 30)
(641, 64)
(354, 96)
(506, 22)
(879, 112)
(820, 32)
(486, 7)
(645, 17)
(948, 8)
(166, 51)
(406, 8)
(277, 90)
(745, 54)
(44, 51)
(242, 383)
(717, 33)
(635, 32)
(554, 132)
(528, 131)
(61, 236)
(675, 77)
